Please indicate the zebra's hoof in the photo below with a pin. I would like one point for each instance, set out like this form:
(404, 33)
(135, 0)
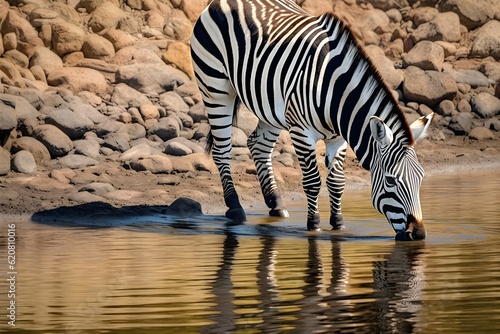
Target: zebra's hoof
(337, 222)
(314, 228)
(236, 215)
(283, 213)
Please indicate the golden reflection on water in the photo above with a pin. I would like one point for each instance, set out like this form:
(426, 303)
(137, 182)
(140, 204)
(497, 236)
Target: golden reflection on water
(271, 277)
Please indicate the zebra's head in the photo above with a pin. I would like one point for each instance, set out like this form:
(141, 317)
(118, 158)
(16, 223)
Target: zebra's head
(396, 179)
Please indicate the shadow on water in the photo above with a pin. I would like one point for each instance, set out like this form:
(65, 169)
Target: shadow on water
(393, 306)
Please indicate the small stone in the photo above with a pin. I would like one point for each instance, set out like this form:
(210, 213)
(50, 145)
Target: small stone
(446, 108)
(23, 162)
(481, 133)
(156, 164)
(486, 105)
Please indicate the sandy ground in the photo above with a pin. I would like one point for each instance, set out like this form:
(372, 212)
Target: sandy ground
(25, 195)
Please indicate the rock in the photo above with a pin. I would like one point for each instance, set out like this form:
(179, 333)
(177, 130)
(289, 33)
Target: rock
(167, 128)
(193, 8)
(177, 149)
(201, 130)
(72, 124)
(22, 108)
(156, 164)
(239, 138)
(151, 78)
(186, 207)
(87, 147)
(37, 149)
(193, 147)
(198, 113)
(149, 111)
(46, 59)
(472, 13)
(486, 105)
(493, 124)
(26, 36)
(124, 195)
(85, 110)
(134, 131)
(446, 108)
(66, 37)
(120, 39)
(17, 58)
(98, 47)
(393, 77)
(98, 188)
(461, 123)
(425, 55)
(116, 142)
(444, 27)
(124, 95)
(492, 70)
(178, 55)
(4, 161)
(464, 106)
(481, 133)
(8, 119)
(23, 162)
(486, 41)
(429, 88)
(471, 77)
(173, 103)
(138, 152)
(10, 70)
(56, 141)
(178, 26)
(85, 197)
(79, 79)
(76, 161)
(106, 15)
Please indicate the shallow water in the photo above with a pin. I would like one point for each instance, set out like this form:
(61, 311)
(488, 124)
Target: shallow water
(162, 275)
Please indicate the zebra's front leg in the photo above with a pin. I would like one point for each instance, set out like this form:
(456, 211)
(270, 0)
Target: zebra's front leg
(261, 144)
(305, 147)
(334, 159)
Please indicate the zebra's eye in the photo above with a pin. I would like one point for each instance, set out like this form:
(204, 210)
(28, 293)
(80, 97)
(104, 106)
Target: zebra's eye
(390, 181)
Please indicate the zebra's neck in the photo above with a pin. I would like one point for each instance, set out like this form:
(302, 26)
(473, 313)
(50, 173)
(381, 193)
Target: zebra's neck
(350, 91)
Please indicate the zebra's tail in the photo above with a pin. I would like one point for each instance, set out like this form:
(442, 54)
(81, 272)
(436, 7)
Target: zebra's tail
(210, 137)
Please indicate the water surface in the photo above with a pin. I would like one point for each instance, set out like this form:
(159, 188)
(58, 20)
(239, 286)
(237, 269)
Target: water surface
(163, 275)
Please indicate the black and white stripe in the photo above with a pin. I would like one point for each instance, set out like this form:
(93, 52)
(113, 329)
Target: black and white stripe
(307, 75)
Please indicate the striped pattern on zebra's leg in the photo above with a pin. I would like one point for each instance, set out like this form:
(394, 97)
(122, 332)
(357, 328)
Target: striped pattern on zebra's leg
(235, 212)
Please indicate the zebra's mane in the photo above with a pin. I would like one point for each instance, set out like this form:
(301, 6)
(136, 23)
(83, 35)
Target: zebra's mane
(395, 119)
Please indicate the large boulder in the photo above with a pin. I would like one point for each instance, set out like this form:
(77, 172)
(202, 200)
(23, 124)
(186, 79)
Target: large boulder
(444, 27)
(56, 141)
(98, 47)
(26, 36)
(107, 15)
(472, 13)
(487, 41)
(23, 162)
(37, 149)
(429, 88)
(425, 55)
(486, 105)
(149, 79)
(46, 59)
(72, 124)
(66, 37)
(79, 79)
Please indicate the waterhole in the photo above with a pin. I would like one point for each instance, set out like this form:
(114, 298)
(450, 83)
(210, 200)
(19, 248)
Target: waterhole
(163, 275)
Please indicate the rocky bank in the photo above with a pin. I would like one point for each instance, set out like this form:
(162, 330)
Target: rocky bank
(98, 101)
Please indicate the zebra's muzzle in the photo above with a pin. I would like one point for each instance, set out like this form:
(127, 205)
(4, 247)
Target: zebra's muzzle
(415, 230)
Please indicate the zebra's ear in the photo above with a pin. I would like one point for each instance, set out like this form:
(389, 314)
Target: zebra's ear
(380, 131)
(420, 126)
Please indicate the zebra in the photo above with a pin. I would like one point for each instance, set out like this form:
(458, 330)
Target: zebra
(307, 75)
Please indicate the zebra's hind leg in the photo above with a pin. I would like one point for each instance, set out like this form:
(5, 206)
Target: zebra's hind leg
(334, 159)
(261, 144)
(305, 147)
